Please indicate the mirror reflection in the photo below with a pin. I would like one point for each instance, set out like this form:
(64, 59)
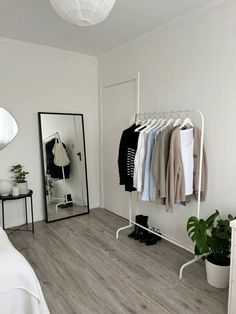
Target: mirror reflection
(8, 129)
(64, 165)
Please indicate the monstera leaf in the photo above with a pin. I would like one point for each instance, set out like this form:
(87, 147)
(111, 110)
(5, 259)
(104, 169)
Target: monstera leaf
(197, 232)
(8, 128)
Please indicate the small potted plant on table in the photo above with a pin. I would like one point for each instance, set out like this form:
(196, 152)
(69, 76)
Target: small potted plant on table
(20, 178)
(212, 239)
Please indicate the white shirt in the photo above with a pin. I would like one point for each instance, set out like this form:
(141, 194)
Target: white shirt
(139, 161)
(187, 143)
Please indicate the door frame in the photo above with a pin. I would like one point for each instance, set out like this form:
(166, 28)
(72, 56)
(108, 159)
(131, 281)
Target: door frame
(128, 79)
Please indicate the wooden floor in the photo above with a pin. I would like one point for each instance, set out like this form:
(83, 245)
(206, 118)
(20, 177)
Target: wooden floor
(84, 269)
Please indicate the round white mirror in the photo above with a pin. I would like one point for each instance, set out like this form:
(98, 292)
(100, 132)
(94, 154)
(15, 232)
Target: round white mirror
(8, 128)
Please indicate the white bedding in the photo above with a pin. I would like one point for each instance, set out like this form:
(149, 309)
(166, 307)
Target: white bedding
(20, 291)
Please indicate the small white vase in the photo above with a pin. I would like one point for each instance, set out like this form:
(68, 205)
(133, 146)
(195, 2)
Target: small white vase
(5, 187)
(217, 276)
(15, 190)
(23, 187)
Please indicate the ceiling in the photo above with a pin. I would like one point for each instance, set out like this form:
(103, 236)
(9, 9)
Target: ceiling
(35, 21)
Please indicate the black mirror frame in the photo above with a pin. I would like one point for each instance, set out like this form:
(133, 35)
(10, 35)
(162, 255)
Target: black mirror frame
(42, 162)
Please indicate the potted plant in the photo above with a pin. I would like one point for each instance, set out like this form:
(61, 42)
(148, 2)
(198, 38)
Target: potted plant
(20, 178)
(212, 239)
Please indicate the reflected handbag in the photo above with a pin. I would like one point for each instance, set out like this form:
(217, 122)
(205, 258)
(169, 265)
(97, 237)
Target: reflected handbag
(61, 158)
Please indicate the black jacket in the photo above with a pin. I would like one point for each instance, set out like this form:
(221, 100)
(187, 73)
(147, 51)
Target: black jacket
(127, 151)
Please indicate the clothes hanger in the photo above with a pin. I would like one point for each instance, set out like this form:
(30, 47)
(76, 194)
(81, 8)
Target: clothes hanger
(170, 121)
(163, 122)
(187, 121)
(132, 120)
(143, 125)
(154, 126)
(149, 126)
(139, 121)
(159, 123)
(178, 122)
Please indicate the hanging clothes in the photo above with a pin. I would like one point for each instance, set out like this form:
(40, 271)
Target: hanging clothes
(152, 182)
(139, 161)
(127, 151)
(187, 143)
(162, 164)
(149, 184)
(55, 171)
(145, 196)
(175, 181)
(160, 159)
(196, 166)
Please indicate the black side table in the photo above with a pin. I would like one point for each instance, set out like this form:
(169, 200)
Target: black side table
(3, 199)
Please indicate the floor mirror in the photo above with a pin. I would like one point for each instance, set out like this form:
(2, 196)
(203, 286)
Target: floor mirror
(64, 166)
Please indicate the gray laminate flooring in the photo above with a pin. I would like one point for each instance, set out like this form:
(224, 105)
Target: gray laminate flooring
(84, 269)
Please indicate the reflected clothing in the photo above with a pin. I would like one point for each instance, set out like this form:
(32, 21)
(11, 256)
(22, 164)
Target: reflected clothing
(54, 171)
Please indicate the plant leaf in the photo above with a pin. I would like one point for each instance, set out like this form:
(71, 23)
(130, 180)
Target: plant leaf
(210, 220)
(197, 232)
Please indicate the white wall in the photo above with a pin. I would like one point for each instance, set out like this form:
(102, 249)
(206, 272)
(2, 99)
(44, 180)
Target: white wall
(190, 63)
(35, 78)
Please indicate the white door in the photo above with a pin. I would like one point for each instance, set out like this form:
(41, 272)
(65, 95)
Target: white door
(118, 106)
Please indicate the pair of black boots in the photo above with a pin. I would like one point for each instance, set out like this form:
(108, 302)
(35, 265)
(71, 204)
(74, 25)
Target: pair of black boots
(142, 235)
(67, 203)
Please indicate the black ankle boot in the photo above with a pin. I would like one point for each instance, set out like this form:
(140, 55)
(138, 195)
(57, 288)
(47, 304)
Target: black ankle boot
(144, 237)
(141, 232)
(133, 233)
(153, 238)
(145, 233)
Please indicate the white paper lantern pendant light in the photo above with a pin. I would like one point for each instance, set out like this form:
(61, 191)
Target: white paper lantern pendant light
(83, 12)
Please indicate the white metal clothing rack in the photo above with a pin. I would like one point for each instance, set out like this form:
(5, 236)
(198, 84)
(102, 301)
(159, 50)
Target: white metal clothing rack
(131, 222)
(46, 140)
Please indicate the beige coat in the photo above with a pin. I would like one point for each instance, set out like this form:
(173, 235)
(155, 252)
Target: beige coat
(175, 184)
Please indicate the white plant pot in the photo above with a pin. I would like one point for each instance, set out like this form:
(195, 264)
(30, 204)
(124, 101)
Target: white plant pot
(15, 190)
(217, 276)
(23, 187)
(5, 187)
